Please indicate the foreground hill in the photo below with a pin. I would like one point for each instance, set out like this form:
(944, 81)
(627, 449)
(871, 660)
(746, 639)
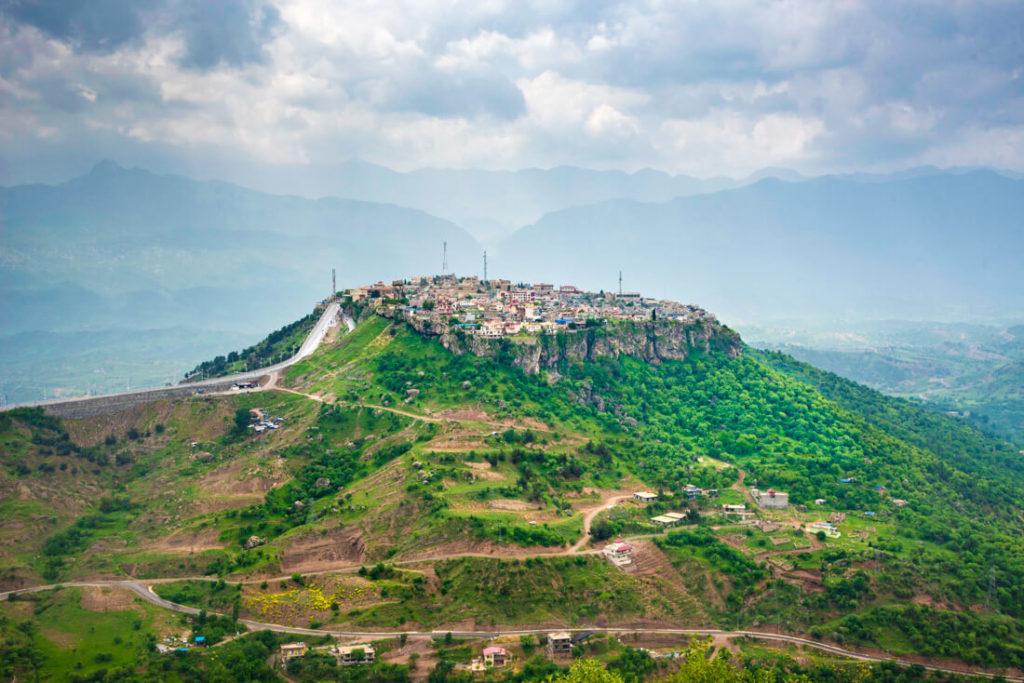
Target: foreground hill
(908, 248)
(475, 495)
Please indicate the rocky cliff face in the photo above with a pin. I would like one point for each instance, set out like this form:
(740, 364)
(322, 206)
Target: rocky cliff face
(652, 341)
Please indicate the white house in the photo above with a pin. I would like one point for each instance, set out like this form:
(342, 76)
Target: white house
(618, 553)
(354, 654)
(293, 650)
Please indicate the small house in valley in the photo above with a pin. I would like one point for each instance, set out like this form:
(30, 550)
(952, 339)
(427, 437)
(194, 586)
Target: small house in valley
(619, 553)
(495, 657)
(293, 650)
(347, 655)
(645, 496)
(826, 528)
(560, 644)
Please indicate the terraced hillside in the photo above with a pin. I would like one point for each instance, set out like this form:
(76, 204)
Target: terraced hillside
(405, 487)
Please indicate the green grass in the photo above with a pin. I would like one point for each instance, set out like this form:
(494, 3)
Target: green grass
(215, 595)
(515, 592)
(72, 639)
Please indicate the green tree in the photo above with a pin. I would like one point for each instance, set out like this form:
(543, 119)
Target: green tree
(587, 671)
(242, 417)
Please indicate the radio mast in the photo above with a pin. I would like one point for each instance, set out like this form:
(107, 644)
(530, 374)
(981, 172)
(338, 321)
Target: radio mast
(444, 258)
(620, 283)
(334, 284)
(485, 265)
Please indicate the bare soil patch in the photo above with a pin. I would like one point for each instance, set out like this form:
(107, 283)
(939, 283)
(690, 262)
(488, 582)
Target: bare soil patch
(92, 431)
(107, 600)
(190, 541)
(513, 505)
(474, 548)
(465, 413)
(343, 547)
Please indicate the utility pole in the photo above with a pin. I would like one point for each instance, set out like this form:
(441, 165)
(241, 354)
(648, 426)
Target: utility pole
(444, 258)
(620, 283)
(334, 284)
(485, 265)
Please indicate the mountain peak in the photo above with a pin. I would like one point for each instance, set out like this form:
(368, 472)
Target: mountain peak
(106, 167)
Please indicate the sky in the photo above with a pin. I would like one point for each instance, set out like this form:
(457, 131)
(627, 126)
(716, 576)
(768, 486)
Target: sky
(696, 87)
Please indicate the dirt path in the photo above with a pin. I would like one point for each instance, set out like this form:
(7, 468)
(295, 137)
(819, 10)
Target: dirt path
(588, 519)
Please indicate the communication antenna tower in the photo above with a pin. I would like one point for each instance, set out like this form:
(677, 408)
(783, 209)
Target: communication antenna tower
(485, 265)
(444, 258)
(620, 283)
(334, 284)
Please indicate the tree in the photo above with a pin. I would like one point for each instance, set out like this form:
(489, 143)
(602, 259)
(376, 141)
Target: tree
(242, 417)
(587, 671)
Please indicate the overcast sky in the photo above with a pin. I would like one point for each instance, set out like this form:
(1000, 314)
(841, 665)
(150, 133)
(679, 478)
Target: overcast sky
(703, 88)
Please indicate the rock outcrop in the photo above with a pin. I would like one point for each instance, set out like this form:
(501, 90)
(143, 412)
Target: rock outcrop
(653, 341)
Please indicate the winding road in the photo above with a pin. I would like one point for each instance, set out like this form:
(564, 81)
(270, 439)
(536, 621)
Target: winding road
(145, 591)
(327, 320)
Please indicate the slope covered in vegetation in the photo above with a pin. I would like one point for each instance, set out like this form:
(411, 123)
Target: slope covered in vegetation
(393, 453)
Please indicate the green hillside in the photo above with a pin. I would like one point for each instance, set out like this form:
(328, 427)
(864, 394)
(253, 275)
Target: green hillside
(462, 487)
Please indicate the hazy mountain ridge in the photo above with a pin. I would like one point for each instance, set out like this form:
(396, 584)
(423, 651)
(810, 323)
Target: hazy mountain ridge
(941, 246)
(489, 204)
(129, 249)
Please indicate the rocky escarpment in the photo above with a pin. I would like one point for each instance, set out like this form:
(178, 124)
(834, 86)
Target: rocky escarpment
(653, 341)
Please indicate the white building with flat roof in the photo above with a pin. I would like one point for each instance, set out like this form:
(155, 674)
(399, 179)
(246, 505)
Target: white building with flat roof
(618, 553)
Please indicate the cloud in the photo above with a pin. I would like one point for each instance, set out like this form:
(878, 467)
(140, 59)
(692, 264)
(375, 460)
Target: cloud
(707, 88)
(93, 26)
(230, 32)
(745, 143)
(448, 93)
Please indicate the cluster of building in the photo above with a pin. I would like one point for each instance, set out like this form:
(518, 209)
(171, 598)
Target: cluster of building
(559, 644)
(499, 308)
(345, 655)
(261, 422)
(180, 644)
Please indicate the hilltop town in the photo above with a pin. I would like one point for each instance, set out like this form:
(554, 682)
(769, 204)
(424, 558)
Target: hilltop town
(500, 308)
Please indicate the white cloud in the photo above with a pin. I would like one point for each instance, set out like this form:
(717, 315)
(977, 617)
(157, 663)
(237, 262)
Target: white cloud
(707, 88)
(608, 122)
(732, 140)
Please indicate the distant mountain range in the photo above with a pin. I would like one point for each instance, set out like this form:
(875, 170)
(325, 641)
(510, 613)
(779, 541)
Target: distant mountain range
(489, 204)
(126, 249)
(117, 245)
(493, 204)
(124, 252)
(946, 246)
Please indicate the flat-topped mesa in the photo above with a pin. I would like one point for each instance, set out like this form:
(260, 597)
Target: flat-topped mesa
(538, 326)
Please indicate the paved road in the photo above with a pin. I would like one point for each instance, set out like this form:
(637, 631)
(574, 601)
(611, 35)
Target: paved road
(312, 341)
(146, 593)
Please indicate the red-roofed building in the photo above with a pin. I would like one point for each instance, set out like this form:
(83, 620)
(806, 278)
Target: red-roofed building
(495, 656)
